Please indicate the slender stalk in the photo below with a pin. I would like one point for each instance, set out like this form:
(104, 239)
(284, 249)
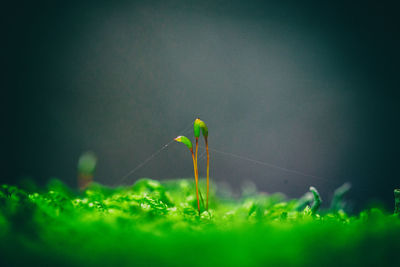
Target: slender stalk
(196, 177)
(197, 149)
(208, 170)
(188, 143)
(197, 168)
(201, 197)
(198, 126)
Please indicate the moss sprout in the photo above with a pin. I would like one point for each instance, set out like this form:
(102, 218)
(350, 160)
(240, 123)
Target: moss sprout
(86, 168)
(337, 200)
(397, 201)
(197, 126)
(188, 143)
(317, 200)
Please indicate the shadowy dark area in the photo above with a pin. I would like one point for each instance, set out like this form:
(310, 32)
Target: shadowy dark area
(306, 86)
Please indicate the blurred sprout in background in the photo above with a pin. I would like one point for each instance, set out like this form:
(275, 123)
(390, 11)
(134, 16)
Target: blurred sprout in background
(86, 168)
(338, 202)
(397, 201)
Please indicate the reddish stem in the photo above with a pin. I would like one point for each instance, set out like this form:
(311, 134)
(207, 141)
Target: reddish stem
(196, 177)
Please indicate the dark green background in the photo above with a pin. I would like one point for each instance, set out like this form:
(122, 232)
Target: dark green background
(307, 86)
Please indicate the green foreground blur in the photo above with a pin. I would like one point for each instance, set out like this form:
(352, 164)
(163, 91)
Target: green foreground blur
(157, 224)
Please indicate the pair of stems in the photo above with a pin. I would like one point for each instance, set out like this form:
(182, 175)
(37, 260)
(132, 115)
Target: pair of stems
(199, 125)
(197, 170)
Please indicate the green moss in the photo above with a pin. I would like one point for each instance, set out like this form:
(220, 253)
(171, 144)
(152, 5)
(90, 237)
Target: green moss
(156, 223)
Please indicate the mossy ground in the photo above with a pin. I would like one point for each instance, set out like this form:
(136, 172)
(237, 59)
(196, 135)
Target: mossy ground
(153, 223)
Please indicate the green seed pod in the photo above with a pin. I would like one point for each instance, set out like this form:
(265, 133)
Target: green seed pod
(196, 127)
(204, 128)
(185, 140)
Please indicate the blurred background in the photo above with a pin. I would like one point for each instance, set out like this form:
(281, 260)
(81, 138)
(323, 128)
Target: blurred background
(311, 87)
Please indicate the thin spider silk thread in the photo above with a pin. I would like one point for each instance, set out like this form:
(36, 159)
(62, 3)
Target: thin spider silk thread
(270, 165)
(297, 172)
(150, 157)
(264, 163)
